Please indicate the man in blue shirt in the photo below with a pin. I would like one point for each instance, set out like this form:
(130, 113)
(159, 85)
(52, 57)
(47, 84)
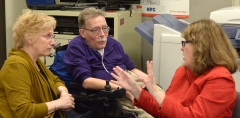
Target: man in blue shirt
(91, 56)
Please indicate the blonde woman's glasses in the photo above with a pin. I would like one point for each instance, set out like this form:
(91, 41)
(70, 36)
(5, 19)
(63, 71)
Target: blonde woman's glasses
(48, 36)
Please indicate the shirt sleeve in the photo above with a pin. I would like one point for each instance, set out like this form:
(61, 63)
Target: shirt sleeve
(76, 63)
(218, 94)
(152, 106)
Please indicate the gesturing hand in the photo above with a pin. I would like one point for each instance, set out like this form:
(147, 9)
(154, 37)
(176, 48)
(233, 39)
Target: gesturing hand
(124, 79)
(150, 81)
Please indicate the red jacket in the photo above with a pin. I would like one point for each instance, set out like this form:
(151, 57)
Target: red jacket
(211, 95)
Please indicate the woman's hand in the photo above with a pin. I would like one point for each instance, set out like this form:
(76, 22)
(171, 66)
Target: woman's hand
(151, 85)
(126, 81)
(129, 96)
(123, 79)
(150, 82)
(65, 102)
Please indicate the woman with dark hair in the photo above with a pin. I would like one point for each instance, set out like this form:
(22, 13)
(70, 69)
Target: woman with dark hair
(203, 87)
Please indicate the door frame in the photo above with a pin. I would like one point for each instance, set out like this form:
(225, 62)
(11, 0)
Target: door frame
(2, 33)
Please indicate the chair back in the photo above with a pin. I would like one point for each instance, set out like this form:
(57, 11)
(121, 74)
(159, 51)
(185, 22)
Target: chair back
(236, 110)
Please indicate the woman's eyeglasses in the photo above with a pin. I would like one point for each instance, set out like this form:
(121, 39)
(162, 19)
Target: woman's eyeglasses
(48, 36)
(184, 43)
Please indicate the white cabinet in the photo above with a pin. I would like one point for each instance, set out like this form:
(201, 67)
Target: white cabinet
(122, 23)
(62, 39)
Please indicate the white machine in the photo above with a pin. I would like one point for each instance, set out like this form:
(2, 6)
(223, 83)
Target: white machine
(229, 19)
(164, 33)
(167, 56)
(227, 16)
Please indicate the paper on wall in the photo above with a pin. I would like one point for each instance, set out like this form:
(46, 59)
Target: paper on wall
(178, 8)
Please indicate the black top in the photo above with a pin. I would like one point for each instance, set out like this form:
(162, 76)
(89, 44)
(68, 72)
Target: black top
(57, 114)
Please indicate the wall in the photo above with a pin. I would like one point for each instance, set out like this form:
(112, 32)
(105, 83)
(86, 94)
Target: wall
(13, 9)
(236, 2)
(199, 9)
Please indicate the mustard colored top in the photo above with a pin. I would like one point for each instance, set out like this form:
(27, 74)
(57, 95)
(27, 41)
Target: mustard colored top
(23, 89)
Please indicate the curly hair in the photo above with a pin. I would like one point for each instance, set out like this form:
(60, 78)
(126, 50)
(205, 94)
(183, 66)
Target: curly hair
(211, 47)
(29, 25)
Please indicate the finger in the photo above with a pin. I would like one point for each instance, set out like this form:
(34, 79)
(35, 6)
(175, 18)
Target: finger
(142, 80)
(117, 71)
(149, 70)
(115, 82)
(143, 86)
(69, 102)
(122, 73)
(150, 75)
(151, 66)
(126, 75)
(115, 76)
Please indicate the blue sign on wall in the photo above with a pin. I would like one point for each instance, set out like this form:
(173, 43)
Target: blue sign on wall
(151, 9)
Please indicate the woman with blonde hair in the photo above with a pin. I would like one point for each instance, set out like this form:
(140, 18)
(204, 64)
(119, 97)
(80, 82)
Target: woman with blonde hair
(27, 88)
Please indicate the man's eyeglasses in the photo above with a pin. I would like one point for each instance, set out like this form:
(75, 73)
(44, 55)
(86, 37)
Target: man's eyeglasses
(48, 37)
(184, 43)
(97, 31)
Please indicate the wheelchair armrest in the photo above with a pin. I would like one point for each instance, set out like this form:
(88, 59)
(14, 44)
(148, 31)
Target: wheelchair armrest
(82, 94)
(74, 85)
(119, 93)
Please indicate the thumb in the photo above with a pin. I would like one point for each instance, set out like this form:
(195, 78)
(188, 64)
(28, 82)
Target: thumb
(142, 80)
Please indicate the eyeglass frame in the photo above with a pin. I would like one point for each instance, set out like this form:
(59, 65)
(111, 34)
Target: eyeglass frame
(48, 37)
(98, 30)
(184, 43)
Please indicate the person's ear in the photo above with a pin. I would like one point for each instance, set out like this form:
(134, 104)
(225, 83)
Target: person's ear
(29, 40)
(82, 33)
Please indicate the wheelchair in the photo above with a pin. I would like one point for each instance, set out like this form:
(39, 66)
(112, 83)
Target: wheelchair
(99, 104)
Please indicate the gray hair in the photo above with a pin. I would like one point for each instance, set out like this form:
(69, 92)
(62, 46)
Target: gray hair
(87, 13)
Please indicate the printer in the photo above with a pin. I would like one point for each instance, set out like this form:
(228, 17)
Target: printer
(229, 19)
(164, 33)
